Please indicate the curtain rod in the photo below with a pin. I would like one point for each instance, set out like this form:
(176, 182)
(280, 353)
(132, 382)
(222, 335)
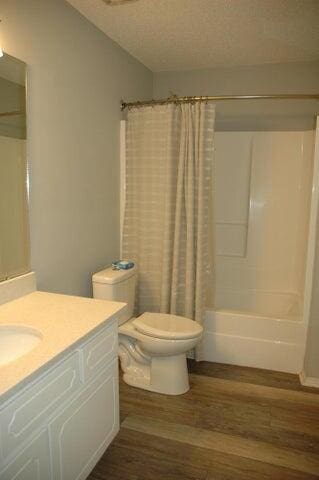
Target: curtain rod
(175, 99)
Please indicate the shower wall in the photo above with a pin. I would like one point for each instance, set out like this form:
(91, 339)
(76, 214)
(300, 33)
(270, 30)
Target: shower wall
(262, 203)
(263, 185)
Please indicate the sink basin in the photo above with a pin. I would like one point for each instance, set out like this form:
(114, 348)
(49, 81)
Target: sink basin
(17, 340)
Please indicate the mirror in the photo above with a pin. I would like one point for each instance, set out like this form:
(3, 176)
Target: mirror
(14, 225)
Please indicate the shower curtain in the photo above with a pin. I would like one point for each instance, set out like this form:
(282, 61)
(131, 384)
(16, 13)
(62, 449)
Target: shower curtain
(168, 214)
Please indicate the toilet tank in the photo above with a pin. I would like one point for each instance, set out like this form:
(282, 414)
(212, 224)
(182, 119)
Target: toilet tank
(116, 286)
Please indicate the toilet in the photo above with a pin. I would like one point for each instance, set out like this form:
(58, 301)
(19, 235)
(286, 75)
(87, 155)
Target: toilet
(152, 346)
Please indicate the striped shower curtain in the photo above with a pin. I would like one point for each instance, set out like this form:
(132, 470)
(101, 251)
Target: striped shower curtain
(168, 214)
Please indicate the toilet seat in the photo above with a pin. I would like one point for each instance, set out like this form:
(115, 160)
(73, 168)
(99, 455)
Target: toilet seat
(167, 326)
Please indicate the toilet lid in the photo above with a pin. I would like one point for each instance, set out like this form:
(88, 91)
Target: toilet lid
(163, 325)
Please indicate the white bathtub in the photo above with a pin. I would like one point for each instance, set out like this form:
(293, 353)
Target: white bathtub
(264, 331)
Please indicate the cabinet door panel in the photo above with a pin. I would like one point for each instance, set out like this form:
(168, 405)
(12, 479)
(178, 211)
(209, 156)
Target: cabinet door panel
(99, 351)
(29, 410)
(33, 463)
(81, 433)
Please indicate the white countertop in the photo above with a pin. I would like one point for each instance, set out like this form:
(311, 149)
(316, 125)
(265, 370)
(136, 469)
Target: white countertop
(62, 320)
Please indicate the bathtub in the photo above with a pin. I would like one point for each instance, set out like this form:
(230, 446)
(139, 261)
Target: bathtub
(256, 329)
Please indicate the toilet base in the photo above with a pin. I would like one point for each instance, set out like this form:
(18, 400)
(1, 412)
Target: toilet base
(167, 375)
(162, 374)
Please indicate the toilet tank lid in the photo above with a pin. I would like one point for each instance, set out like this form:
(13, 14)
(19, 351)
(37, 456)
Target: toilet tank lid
(110, 276)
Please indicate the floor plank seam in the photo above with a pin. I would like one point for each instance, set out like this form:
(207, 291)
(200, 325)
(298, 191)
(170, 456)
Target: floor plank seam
(252, 449)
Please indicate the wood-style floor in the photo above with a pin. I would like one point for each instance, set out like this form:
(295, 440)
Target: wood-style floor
(235, 423)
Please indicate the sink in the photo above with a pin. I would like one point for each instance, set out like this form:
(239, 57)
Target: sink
(16, 341)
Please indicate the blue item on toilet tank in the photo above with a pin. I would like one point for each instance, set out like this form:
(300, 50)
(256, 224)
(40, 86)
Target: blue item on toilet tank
(122, 264)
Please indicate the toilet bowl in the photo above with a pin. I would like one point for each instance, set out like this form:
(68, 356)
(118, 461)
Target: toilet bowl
(153, 346)
(152, 350)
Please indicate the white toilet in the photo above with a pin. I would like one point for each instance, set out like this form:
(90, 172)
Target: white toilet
(153, 346)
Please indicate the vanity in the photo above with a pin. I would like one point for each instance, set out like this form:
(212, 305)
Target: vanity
(59, 406)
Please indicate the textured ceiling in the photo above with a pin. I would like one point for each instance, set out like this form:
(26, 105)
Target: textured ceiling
(193, 34)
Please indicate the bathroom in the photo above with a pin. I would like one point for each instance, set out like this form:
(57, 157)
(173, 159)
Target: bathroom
(253, 409)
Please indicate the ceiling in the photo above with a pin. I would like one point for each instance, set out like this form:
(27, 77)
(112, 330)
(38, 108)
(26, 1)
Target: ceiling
(192, 34)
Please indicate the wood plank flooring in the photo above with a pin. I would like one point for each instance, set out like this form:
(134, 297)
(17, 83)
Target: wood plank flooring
(235, 423)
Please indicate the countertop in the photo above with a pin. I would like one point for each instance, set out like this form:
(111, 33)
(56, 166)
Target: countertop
(62, 320)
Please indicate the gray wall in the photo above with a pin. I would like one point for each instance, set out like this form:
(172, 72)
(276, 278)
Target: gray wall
(258, 79)
(76, 78)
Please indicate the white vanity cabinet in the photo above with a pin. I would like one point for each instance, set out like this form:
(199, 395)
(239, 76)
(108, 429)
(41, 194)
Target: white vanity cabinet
(58, 426)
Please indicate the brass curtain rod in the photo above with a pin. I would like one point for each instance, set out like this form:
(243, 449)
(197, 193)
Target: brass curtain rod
(176, 100)
(14, 112)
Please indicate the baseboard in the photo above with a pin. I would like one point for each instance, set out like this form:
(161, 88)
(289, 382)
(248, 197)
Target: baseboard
(308, 381)
(252, 352)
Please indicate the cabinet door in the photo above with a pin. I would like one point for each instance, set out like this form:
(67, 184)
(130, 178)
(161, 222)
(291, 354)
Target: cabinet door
(33, 463)
(28, 411)
(99, 351)
(82, 431)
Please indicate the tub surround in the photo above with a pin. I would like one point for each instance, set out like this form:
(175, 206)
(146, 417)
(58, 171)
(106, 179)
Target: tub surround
(62, 320)
(261, 213)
